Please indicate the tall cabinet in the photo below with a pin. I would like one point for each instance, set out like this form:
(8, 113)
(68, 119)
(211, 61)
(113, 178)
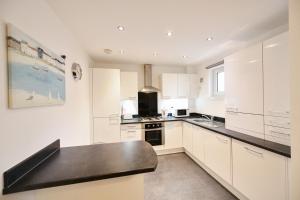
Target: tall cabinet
(244, 91)
(106, 105)
(277, 89)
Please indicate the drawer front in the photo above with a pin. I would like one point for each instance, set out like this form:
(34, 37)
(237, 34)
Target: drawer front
(278, 121)
(173, 124)
(131, 135)
(131, 126)
(279, 135)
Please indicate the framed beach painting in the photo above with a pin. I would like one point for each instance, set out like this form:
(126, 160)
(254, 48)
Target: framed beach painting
(36, 75)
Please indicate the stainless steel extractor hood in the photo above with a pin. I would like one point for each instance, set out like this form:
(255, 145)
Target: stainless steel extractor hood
(148, 88)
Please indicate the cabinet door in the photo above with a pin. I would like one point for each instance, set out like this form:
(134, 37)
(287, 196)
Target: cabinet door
(173, 135)
(169, 85)
(257, 173)
(244, 81)
(131, 135)
(187, 137)
(276, 76)
(183, 85)
(245, 123)
(198, 142)
(106, 130)
(194, 85)
(106, 92)
(218, 154)
(129, 85)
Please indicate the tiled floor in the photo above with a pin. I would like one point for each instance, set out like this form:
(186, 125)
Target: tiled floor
(177, 177)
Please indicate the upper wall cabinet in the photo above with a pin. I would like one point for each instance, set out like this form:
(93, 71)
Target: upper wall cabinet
(276, 76)
(179, 85)
(169, 85)
(129, 86)
(183, 85)
(244, 81)
(106, 92)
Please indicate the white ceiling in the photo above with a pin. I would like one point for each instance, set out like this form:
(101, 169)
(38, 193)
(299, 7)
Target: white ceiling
(146, 22)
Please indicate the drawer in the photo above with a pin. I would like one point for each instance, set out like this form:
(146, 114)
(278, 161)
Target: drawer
(131, 135)
(173, 124)
(278, 121)
(278, 135)
(131, 126)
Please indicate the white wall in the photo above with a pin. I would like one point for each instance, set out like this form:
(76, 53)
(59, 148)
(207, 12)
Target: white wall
(294, 41)
(131, 106)
(25, 131)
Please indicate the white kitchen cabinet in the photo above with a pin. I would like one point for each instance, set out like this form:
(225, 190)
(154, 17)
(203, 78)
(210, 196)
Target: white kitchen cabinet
(194, 85)
(131, 135)
(169, 85)
(276, 76)
(198, 142)
(245, 123)
(259, 174)
(106, 130)
(183, 85)
(278, 135)
(244, 81)
(218, 154)
(129, 85)
(106, 92)
(173, 135)
(187, 139)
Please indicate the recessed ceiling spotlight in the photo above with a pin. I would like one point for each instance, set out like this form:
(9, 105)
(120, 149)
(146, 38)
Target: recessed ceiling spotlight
(209, 38)
(155, 54)
(107, 51)
(121, 51)
(169, 33)
(121, 28)
(184, 56)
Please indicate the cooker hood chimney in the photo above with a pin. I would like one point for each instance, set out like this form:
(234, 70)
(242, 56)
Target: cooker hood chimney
(148, 88)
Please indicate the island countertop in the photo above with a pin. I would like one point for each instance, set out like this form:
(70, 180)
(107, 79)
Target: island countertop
(79, 164)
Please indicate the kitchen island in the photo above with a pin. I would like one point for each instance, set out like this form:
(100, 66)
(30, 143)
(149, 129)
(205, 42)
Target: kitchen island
(105, 171)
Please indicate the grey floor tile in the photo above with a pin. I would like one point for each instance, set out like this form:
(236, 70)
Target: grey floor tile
(177, 177)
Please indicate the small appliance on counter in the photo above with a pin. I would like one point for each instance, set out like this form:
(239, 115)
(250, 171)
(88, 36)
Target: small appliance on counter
(127, 116)
(182, 113)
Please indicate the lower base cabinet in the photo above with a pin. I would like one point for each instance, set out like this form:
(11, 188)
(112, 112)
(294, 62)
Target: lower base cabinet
(259, 174)
(218, 154)
(187, 139)
(198, 143)
(106, 130)
(173, 135)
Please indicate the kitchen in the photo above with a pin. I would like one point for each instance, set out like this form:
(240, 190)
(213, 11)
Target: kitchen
(167, 112)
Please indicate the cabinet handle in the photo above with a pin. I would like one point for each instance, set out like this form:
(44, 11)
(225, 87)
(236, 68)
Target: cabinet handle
(277, 132)
(131, 131)
(222, 140)
(253, 152)
(114, 115)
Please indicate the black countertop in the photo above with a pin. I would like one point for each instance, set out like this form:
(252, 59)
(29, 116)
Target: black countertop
(258, 142)
(78, 164)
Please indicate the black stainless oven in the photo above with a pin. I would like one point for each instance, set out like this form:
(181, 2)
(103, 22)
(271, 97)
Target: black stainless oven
(154, 133)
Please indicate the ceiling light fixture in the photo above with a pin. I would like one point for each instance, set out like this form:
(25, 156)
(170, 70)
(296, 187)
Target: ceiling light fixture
(169, 33)
(121, 28)
(184, 56)
(121, 51)
(155, 54)
(209, 38)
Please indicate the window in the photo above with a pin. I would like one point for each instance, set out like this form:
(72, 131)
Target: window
(217, 81)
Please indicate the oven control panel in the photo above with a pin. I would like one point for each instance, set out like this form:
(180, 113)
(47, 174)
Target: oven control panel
(153, 125)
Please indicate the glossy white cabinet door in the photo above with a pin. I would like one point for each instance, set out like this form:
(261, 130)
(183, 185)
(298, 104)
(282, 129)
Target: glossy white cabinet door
(276, 76)
(173, 135)
(187, 137)
(129, 85)
(198, 142)
(194, 85)
(244, 81)
(245, 123)
(106, 92)
(183, 85)
(131, 135)
(107, 130)
(218, 154)
(259, 174)
(169, 85)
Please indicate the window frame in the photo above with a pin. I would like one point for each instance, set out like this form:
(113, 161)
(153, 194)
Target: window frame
(214, 81)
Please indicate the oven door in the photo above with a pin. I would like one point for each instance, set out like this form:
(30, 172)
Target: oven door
(155, 136)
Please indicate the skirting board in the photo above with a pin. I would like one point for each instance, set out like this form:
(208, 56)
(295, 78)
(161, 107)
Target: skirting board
(169, 151)
(217, 178)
